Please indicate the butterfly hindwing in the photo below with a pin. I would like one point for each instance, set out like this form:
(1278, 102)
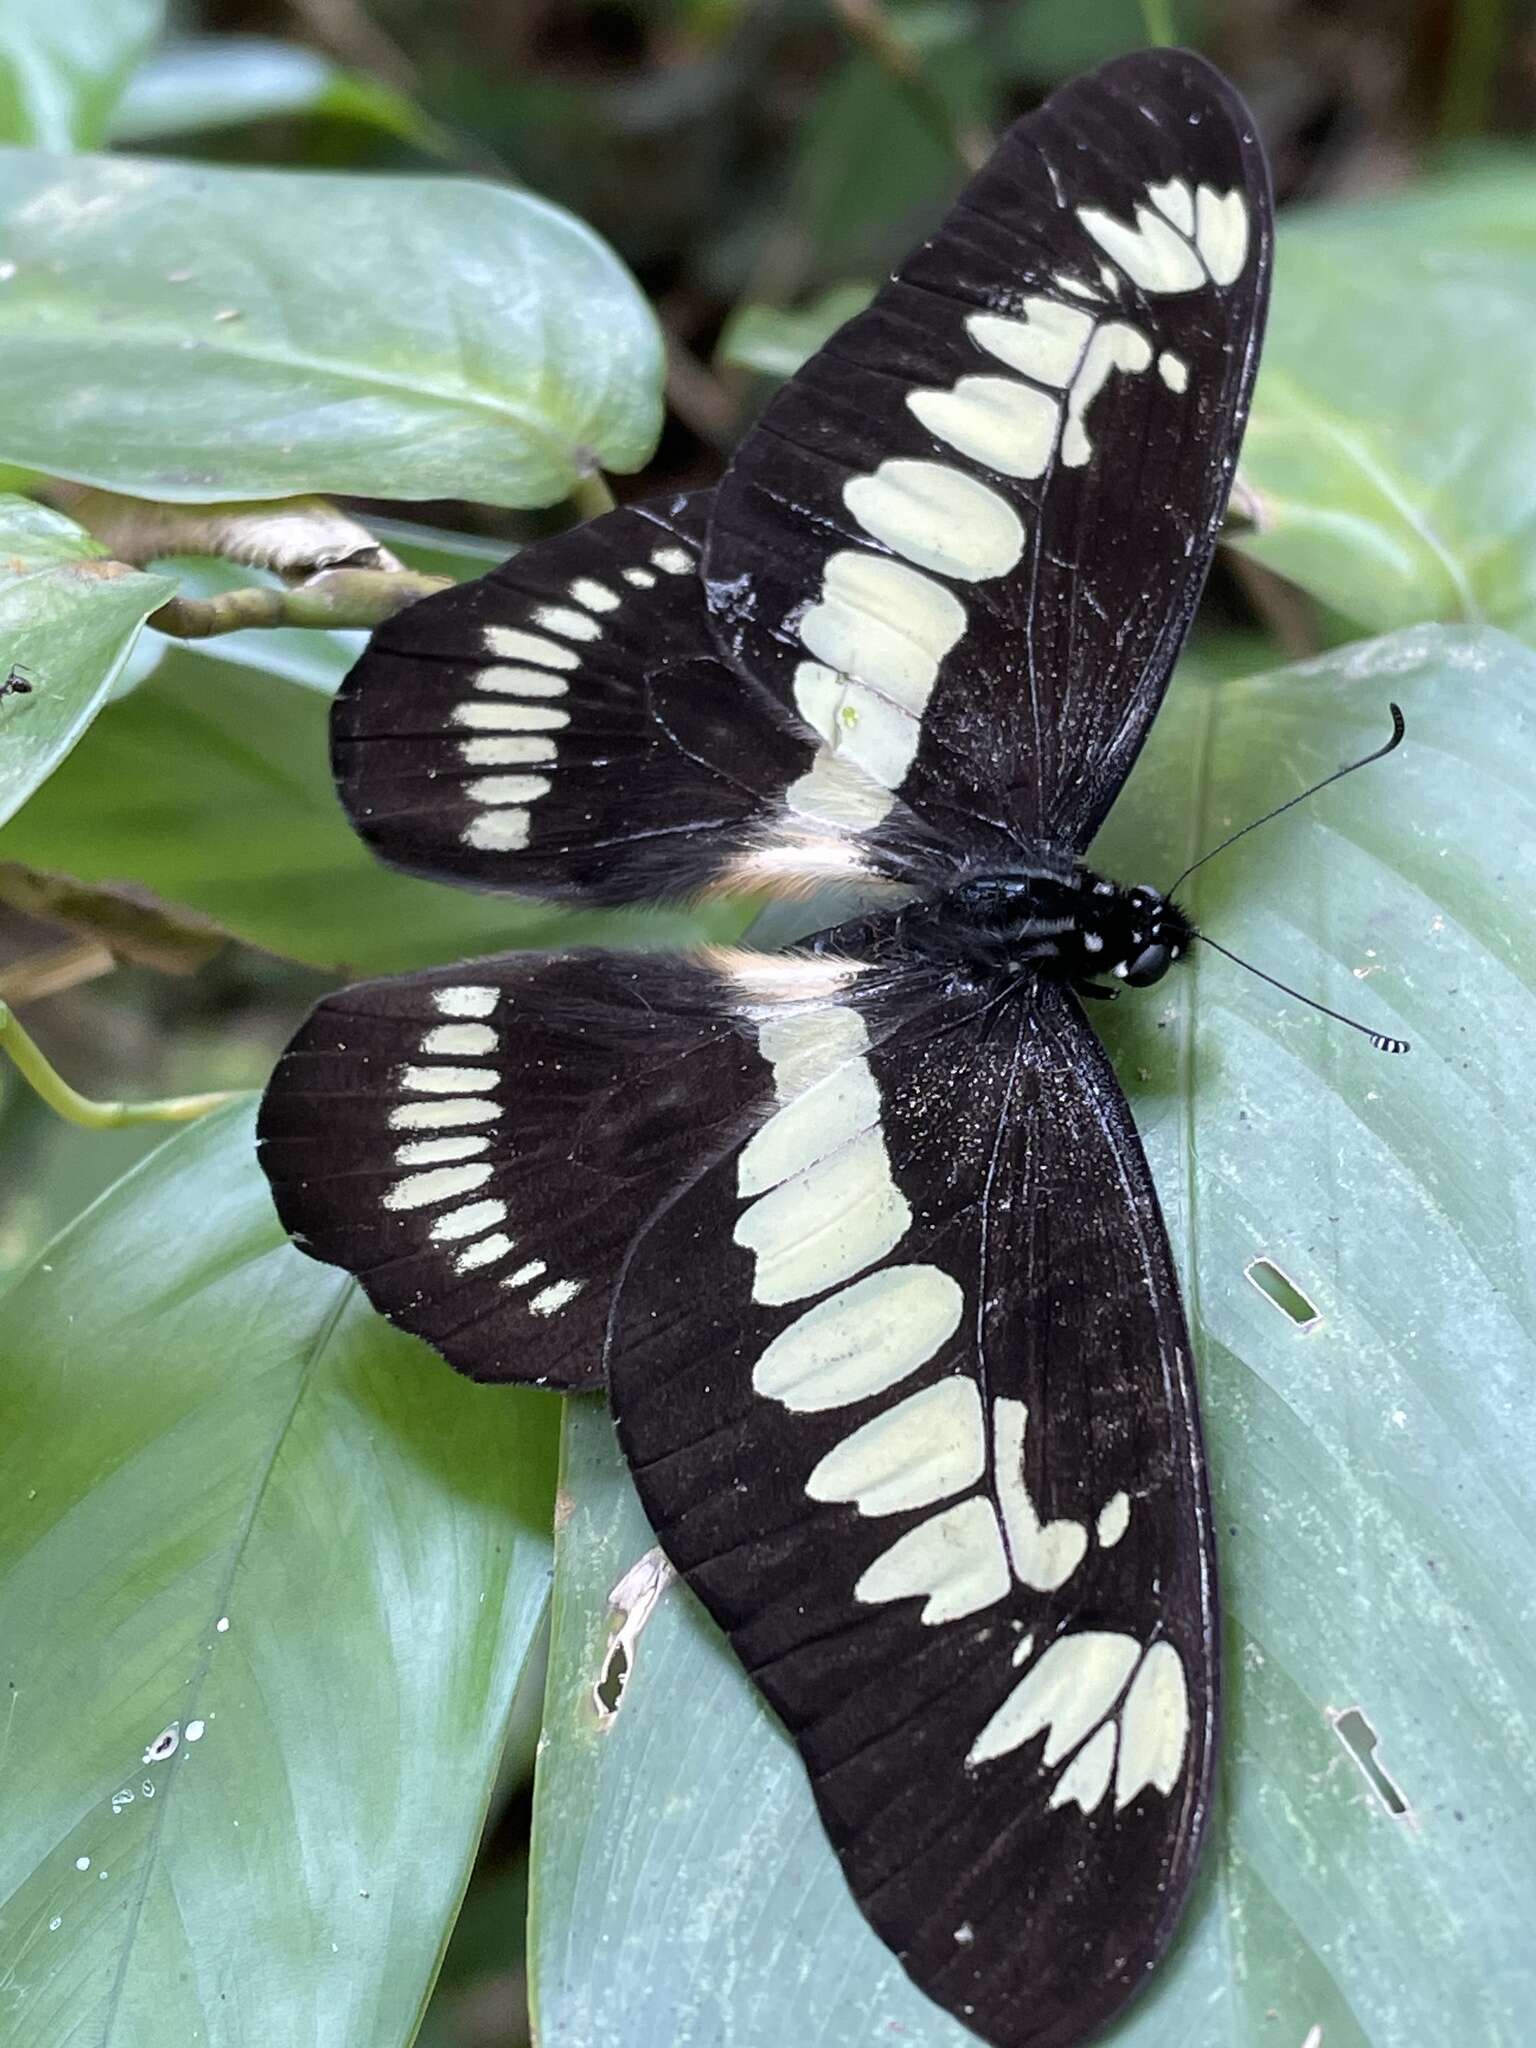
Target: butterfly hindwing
(967, 538)
(480, 1144)
(926, 1446)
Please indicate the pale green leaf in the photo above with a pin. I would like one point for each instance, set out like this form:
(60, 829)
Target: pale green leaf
(1392, 451)
(1377, 1523)
(69, 618)
(200, 334)
(233, 1502)
(63, 64)
(775, 342)
(211, 82)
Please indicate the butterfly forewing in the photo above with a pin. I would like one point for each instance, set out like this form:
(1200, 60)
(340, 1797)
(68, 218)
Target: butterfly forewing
(966, 540)
(564, 725)
(926, 1446)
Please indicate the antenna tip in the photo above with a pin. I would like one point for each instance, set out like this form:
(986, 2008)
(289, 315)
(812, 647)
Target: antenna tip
(1383, 1044)
(1399, 726)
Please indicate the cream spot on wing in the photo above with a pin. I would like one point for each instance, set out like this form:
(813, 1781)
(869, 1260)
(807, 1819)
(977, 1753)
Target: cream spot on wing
(1114, 1520)
(676, 561)
(862, 1340)
(1221, 232)
(597, 597)
(878, 736)
(1114, 347)
(883, 623)
(1175, 202)
(506, 789)
(641, 578)
(1154, 1725)
(554, 1297)
(507, 753)
(838, 794)
(468, 1221)
(448, 1080)
(483, 1253)
(1044, 1555)
(1009, 426)
(826, 1224)
(926, 1448)
(505, 831)
(806, 1129)
(808, 1045)
(470, 1040)
(474, 1000)
(938, 518)
(506, 717)
(1047, 344)
(1152, 254)
(571, 625)
(1086, 1778)
(438, 1184)
(437, 1151)
(954, 1559)
(1073, 1685)
(525, 1274)
(1173, 370)
(512, 644)
(527, 682)
(443, 1116)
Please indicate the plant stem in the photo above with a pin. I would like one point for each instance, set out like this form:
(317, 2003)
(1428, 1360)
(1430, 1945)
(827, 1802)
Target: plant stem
(336, 597)
(1158, 16)
(591, 495)
(79, 1109)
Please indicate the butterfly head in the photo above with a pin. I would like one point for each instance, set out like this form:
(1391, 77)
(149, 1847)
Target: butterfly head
(1147, 932)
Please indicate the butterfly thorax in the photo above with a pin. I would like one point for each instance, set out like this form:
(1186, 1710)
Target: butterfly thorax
(1068, 923)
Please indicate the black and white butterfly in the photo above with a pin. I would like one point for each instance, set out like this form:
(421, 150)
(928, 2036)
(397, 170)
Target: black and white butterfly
(860, 1237)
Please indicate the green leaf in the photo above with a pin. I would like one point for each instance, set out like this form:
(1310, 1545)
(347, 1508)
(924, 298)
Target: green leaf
(233, 1501)
(775, 343)
(1372, 1472)
(1392, 447)
(69, 617)
(188, 88)
(209, 785)
(873, 174)
(63, 64)
(255, 334)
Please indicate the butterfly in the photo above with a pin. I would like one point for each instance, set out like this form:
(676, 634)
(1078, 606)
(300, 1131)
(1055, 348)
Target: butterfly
(859, 1237)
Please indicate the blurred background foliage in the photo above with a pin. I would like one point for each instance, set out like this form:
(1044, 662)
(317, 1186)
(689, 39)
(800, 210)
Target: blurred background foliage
(758, 164)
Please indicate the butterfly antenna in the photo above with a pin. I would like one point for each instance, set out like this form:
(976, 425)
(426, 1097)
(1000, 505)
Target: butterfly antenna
(1398, 729)
(1379, 1039)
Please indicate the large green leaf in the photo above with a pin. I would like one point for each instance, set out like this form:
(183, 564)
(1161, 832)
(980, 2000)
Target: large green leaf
(1372, 1471)
(1392, 448)
(209, 785)
(69, 618)
(185, 332)
(234, 1502)
(63, 64)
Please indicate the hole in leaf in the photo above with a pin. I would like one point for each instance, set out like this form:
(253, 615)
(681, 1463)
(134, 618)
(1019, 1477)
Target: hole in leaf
(1282, 1290)
(1359, 1738)
(609, 1689)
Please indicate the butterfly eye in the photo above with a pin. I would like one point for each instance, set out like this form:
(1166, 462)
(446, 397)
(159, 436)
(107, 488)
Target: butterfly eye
(1149, 965)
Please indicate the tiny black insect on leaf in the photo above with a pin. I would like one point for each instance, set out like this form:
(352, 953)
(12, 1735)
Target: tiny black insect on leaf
(18, 683)
(860, 1238)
